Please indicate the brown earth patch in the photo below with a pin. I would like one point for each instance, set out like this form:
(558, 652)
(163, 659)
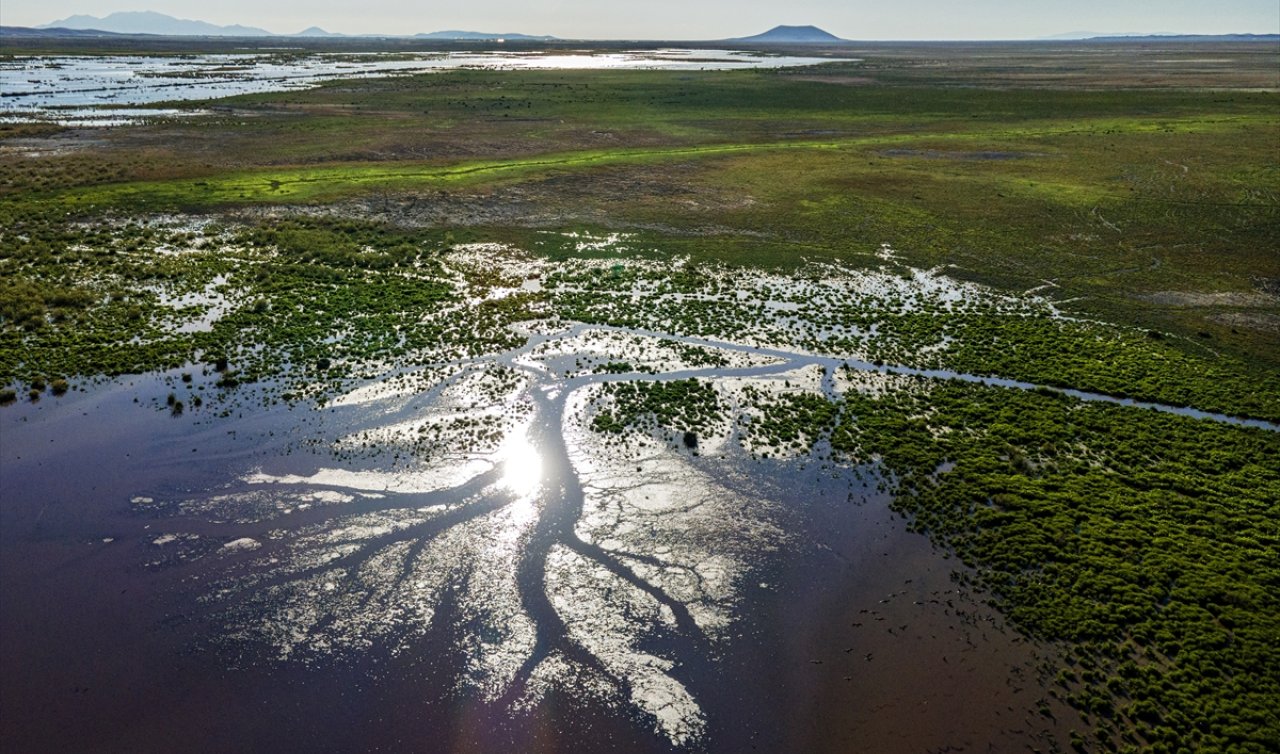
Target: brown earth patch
(841, 80)
(1258, 321)
(940, 154)
(1196, 299)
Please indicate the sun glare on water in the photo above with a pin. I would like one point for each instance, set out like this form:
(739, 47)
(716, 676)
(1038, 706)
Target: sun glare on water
(521, 466)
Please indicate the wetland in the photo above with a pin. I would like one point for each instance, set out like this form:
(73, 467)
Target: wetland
(827, 402)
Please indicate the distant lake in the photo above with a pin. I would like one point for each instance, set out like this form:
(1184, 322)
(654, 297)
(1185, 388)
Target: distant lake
(106, 90)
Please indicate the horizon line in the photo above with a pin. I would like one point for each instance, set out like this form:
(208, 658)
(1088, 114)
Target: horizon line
(530, 37)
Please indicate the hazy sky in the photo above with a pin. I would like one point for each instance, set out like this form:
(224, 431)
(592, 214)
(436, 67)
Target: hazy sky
(699, 19)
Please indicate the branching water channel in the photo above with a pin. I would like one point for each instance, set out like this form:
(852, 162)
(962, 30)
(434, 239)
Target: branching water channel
(605, 566)
(634, 492)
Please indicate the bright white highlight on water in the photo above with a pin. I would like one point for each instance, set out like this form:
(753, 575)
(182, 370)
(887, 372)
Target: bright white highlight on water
(521, 466)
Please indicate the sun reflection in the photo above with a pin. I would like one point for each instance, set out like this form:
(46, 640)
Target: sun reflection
(521, 466)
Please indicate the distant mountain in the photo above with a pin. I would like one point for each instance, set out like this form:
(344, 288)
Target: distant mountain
(792, 35)
(478, 36)
(316, 31)
(150, 22)
(1075, 35)
(27, 32)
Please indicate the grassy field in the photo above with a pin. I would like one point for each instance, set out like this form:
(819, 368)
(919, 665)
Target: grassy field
(1136, 189)
(1153, 206)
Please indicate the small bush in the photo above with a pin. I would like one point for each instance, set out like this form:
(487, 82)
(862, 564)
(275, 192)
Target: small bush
(60, 386)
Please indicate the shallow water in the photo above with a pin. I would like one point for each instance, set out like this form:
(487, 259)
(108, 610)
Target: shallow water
(449, 552)
(541, 590)
(99, 90)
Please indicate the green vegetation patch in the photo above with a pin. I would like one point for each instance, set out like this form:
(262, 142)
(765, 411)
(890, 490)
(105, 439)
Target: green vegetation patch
(791, 422)
(690, 405)
(317, 301)
(1147, 541)
(1091, 356)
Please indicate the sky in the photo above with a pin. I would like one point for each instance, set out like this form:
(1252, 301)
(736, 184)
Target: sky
(703, 19)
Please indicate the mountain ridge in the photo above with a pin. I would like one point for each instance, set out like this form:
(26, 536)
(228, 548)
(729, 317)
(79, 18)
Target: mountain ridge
(151, 22)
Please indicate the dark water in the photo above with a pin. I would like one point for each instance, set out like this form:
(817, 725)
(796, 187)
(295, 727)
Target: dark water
(850, 637)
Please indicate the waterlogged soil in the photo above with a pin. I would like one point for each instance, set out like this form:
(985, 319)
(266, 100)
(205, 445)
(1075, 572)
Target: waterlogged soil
(241, 577)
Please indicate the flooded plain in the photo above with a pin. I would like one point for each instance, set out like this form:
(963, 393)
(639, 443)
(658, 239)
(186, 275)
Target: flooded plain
(108, 90)
(481, 550)
(539, 588)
